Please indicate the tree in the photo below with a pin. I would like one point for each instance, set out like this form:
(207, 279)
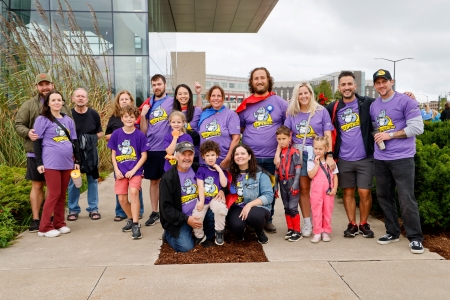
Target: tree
(337, 95)
(325, 88)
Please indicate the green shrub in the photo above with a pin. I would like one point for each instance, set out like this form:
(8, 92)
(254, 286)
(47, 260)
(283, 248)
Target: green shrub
(15, 191)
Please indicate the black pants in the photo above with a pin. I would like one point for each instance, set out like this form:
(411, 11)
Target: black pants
(290, 202)
(257, 218)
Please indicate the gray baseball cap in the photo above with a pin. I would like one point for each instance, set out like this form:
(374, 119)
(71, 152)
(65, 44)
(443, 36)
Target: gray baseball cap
(184, 146)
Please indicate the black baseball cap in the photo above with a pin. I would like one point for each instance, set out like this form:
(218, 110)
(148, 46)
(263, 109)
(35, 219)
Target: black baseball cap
(184, 146)
(382, 74)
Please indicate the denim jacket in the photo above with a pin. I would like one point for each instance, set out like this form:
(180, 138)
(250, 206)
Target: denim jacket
(260, 188)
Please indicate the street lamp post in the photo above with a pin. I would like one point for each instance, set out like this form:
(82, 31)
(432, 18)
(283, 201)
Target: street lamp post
(394, 61)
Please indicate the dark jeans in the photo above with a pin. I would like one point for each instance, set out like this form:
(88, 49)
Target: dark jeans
(257, 218)
(398, 173)
(185, 241)
(269, 166)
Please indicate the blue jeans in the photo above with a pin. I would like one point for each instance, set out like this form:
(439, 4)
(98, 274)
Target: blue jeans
(121, 213)
(398, 173)
(92, 197)
(185, 240)
(268, 165)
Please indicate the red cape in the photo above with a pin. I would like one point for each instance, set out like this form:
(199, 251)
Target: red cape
(250, 100)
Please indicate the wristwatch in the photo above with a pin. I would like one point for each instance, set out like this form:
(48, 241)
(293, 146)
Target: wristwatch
(329, 154)
(391, 134)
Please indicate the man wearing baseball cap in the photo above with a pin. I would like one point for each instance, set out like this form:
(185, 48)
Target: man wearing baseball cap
(24, 122)
(397, 119)
(178, 198)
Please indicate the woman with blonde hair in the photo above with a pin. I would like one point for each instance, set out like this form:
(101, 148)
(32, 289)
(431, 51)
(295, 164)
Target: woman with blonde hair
(306, 119)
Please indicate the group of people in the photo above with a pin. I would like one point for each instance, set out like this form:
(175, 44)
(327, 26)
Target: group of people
(202, 178)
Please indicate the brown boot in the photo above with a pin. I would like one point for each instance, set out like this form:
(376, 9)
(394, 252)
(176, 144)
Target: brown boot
(270, 228)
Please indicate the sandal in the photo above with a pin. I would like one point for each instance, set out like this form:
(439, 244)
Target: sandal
(95, 216)
(72, 217)
(119, 218)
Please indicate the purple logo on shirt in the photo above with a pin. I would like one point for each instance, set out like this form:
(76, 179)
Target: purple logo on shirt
(263, 117)
(127, 152)
(211, 189)
(158, 115)
(60, 134)
(212, 130)
(302, 130)
(190, 191)
(350, 118)
(384, 122)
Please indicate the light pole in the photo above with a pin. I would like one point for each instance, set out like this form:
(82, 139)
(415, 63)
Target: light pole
(425, 96)
(394, 61)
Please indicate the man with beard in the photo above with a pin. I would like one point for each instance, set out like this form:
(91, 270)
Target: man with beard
(178, 198)
(260, 116)
(398, 120)
(87, 123)
(154, 123)
(24, 122)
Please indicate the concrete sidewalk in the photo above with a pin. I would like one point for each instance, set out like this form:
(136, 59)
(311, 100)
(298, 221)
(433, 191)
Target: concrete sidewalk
(98, 261)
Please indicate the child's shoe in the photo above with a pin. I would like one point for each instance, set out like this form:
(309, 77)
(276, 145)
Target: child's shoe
(316, 238)
(199, 240)
(288, 234)
(306, 230)
(136, 232)
(295, 237)
(325, 237)
(128, 227)
(219, 237)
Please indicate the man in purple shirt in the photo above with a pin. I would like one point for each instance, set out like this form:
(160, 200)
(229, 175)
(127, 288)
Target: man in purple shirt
(397, 119)
(260, 116)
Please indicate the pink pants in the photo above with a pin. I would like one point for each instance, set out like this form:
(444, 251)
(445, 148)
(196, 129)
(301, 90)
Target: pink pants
(321, 203)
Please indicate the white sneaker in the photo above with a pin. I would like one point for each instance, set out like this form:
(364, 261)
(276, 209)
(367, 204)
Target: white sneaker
(64, 229)
(306, 230)
(51, 233)
(325, 237)
(316, 239)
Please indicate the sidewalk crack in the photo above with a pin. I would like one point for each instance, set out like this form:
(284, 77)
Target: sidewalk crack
(97, 283)
(343, 280)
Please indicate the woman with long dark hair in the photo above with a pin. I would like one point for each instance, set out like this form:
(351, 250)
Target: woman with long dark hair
(57, 155)
(251, 194)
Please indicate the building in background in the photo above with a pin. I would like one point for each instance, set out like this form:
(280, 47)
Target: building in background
(187, 68)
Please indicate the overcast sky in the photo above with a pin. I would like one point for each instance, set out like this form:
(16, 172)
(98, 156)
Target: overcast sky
(302, 39)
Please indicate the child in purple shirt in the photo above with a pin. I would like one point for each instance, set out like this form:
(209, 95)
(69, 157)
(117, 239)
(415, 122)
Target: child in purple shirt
(177, 121)
(210, 180)
(129, 148)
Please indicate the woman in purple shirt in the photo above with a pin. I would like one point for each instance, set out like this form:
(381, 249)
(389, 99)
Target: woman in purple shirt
(302, 107)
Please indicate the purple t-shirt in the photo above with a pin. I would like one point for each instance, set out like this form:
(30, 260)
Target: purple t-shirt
(219, 128)
(239, 190)
(211, 182)
(57, 151)
(318, 124)
(128, 147)
(158, 124)
(189, 191)
(352, 145)
(392, 116)
(167, 140)
(261, 120)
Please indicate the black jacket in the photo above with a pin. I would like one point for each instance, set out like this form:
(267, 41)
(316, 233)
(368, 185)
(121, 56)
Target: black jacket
(172, 217)
(445, 115)
(89, 154)
(365, 123)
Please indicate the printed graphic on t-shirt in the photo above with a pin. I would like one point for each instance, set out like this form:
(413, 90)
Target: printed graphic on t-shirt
(351, 120)
(384, 122)
(302, 130)
(126, 152)
(188, 126)
(60, 134)
(189, 191)
(211, 189)
(159, 115)
(239, 192)
(263, 117)
(212, 130)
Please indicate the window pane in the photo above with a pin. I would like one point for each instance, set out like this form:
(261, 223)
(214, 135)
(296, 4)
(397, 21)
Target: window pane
(130, 29)
(27, 4)
(130, 5)
(131, 73)
(231, 85)
(77, 5)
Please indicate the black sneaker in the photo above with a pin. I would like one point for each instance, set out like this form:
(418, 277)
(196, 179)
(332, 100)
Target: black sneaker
(288, 234)
(416, 247)
(34, 225)
(365, 231)
(153, 219)
(295, 237)
(386, 239)
(136, 232)
(352, 230)
(219, 237)
(128, 227)
(199, 240)
(207, 244)
(262, 237)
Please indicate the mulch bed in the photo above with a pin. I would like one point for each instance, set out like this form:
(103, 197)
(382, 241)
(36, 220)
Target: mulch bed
(231, 251)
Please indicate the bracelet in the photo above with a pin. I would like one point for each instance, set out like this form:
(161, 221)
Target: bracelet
(329, 153)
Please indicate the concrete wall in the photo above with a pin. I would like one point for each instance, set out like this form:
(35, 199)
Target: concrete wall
(189, 67)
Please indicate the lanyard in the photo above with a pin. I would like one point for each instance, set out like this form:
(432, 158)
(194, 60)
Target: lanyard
(326, 174)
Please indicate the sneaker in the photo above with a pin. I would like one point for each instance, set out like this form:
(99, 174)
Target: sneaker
(50, 234)
(64, 229)
(295, 237)
(288, 234)
(386, 239)
(136, 232)
(153, 219)
(207, 244)
(262, 237)
(219, 237)
(365, 231)
(306, 230)
(34, 225)
(352, 230)
(416, 247)
(270, 228)
(325, 237)
(129, 226)
(316, 238)
(199, 240)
